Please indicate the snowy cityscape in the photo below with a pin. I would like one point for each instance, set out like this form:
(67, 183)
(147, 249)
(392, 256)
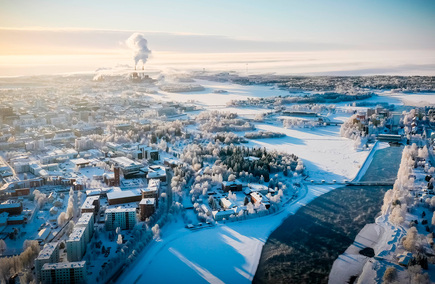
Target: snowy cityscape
(149, 168)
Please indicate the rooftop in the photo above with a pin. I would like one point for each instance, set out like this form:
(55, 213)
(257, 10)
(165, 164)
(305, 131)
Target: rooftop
(88, 204)
(85, 219)
(122, 194)
(148, 201)
(63, 265)
(128, 207)
(126, 162)
(76, 234)
(48, 250)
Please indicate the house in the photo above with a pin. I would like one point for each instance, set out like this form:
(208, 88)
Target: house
(226, 203)
(43, 235)
(257, 197)
(206, 209)
(404, 259)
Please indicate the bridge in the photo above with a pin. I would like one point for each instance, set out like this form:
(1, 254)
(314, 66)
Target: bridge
(351, 183)
(371, 183)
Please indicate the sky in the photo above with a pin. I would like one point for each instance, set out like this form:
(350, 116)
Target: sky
(85, 35)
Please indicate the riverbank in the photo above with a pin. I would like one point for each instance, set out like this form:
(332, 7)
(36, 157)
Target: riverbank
(389, 242)
(304, 247)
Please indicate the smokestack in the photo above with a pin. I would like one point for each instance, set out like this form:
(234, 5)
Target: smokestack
(139, 46)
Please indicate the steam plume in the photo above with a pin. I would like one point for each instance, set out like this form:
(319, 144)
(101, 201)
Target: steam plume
(138, 44)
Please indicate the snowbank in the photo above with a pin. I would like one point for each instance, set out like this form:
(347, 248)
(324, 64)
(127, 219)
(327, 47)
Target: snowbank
(351, 262)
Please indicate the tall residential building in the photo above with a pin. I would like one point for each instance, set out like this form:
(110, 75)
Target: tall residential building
(76, 244)
(64, 272)
(87, 221)
(122, 216)
(49, 254)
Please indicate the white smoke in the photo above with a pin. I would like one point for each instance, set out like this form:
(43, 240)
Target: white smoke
(138, 44)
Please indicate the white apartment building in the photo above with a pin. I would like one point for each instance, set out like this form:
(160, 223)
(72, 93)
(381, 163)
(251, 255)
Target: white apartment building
(76, 244)
(120, 216)
(64, 272)
(49, 254)
(86, 221)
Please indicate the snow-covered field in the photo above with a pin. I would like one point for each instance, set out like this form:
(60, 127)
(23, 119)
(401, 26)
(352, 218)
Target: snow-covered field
(227, 253)
(209, 99)
(326, 155)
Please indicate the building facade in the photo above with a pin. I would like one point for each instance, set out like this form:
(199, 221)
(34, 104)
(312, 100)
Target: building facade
(49, 254)
(64, 273)
(120, 216)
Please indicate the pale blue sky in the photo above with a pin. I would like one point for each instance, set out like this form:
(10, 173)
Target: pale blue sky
(285, 36)
(364, 22)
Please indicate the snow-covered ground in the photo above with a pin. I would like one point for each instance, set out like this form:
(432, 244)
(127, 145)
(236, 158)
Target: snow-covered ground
(229, 253)
(326, 155)
(226, 253)
(209, 99)
(422, 99)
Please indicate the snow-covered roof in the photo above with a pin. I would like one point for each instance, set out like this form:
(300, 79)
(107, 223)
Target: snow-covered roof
(156, 172)
(76, 234)
(148, 201)
(259, 197)
(121, 208)
(227, 203)
(88, 204)
(122, 194)
(132, 183)
(85, 219)
(80, 161)
(64, 265)
(43, 234)
(48, 250)
(222, 213)
(125, 162)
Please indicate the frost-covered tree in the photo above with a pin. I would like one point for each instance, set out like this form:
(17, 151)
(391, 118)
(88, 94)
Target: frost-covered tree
(411, 239)
(156, 231)
(231, 177)
(119, 240)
